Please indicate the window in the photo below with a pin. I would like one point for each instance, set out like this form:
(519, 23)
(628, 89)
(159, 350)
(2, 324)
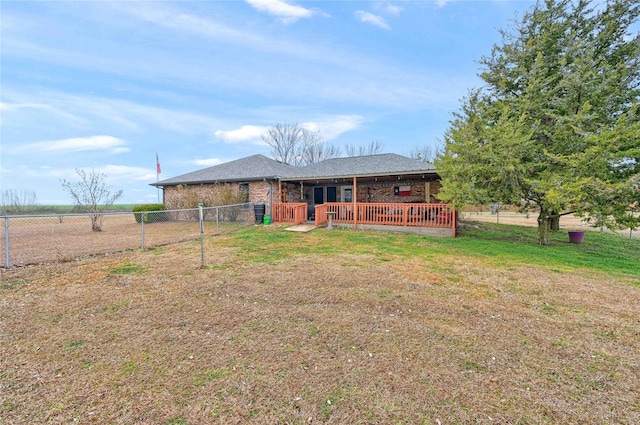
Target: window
(318, 195)
(332, 194)
(244, 188)
(347, 194)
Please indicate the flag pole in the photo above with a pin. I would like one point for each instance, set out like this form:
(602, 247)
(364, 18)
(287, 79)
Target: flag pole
(158, 172)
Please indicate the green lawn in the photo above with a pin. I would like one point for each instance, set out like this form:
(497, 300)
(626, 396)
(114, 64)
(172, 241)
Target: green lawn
(502, 245)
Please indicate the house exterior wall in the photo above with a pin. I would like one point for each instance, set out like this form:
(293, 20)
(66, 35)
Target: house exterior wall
(291, 192)
(259, 192)
(372, 192)
(188, 196)
(384, 192)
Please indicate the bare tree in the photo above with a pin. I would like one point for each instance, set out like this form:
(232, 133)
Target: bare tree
(426, 153)
(319, 152)
(290, 143)
(17, 200)
(91, 195)
(373, 148)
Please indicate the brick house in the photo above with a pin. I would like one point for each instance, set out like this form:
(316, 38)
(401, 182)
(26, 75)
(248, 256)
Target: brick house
(256, 176)
(385, 189)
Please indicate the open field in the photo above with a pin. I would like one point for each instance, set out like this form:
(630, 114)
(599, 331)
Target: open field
(59, 209)
(37, 239)
(567, 222)
(335, 327)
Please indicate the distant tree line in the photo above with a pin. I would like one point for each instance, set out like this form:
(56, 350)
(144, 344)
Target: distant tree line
(14, 201)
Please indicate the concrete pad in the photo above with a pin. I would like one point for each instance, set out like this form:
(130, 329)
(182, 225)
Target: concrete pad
(302, 228)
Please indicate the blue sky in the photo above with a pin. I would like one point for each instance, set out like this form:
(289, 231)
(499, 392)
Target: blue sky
(107, 85)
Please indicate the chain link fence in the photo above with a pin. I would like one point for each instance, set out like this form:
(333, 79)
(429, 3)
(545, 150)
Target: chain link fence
(32, 239)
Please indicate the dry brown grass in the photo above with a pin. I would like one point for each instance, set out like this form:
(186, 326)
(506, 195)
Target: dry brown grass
(148, 337)
(39, 239)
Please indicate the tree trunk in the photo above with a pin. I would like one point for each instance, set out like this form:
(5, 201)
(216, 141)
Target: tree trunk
(544, 222)
(96, 223)
(554, 221)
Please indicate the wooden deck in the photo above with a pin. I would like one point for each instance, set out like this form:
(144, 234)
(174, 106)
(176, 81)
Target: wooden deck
(400, 215)
(295, 213)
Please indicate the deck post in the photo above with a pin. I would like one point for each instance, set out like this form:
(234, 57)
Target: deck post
(355, 204)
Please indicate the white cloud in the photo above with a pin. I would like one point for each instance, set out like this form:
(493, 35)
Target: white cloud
(209, 162)
(208, 28)
(178, 19)
(246, 133)
(331, 127)
(288, 13)
(92, 113)
(335, 72)
(121, 175)
(372, 19)
(77, 144)
(388, 8)
(126, 173)
(442, 3)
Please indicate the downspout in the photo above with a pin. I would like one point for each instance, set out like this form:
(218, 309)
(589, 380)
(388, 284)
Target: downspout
(270, 199)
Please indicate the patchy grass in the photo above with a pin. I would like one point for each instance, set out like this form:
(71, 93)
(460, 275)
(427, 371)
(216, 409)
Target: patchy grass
(127, 268)
(70, 345)
(328, 327)
(11, 284)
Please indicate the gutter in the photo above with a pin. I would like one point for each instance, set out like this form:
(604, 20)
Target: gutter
(350, 176)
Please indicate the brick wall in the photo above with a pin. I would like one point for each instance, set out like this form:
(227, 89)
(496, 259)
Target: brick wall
(188, 196)
(384, 192)
(177, 197)
(259, 192)
(291, 192)
(368, 192)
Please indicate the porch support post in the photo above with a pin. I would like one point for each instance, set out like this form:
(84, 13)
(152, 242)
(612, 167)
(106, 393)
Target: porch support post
(355, 204)
(280, 197)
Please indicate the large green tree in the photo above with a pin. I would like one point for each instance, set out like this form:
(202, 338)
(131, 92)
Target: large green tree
(556, 127)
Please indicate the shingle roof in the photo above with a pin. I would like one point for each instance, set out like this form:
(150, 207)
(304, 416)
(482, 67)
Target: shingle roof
(370, 165)
(251, 168)
(259, 167)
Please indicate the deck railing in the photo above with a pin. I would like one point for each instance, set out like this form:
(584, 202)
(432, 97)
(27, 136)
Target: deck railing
(395, 214)
(389, 214)
(290, 213)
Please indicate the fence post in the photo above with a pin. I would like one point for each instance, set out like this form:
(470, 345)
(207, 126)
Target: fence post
(217, 219)
(142, 218)
(6, 241)
(201, 216)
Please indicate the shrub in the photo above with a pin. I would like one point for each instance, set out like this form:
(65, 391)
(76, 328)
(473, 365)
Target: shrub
(154, 210)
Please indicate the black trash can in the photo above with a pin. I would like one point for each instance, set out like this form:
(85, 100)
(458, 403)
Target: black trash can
(259, 209)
